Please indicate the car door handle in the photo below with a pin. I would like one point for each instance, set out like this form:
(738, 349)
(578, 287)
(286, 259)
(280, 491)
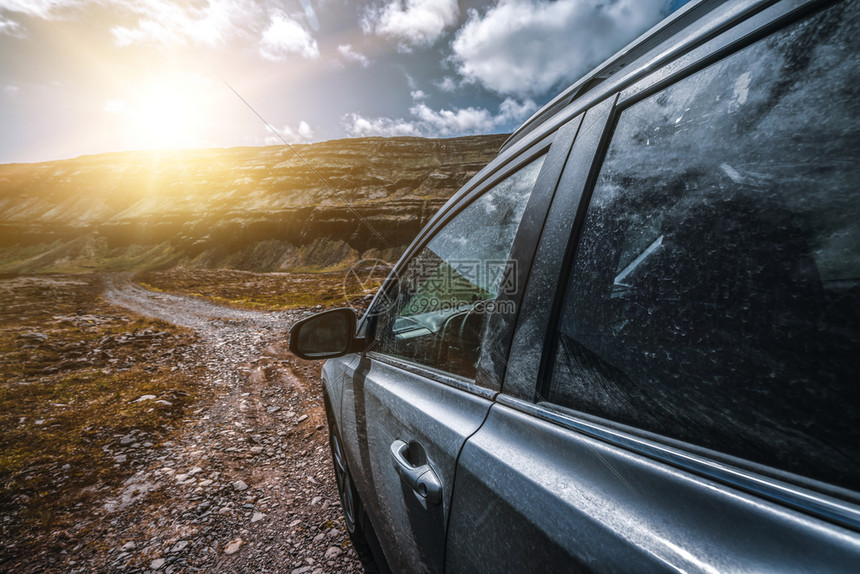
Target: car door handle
(422, 479)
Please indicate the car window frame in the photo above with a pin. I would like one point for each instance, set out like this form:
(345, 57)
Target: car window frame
(825, 501)
(555, 145)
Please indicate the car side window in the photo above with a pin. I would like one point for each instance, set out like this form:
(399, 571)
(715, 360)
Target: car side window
(435, 314)
(715, 293)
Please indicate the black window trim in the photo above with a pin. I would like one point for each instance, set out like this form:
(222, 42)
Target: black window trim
(826, 501)
(591, 130)
(523, 249)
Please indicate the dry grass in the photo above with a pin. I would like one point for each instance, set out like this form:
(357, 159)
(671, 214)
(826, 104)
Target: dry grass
(264, 291)
(72, 367)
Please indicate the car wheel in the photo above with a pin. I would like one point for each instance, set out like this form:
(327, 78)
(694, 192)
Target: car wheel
(357, 524)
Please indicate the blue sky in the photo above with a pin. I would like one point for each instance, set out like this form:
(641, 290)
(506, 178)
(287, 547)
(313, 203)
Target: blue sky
(91, 76)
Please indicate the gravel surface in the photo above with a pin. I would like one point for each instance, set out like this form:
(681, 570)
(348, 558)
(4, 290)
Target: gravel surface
(245, 484)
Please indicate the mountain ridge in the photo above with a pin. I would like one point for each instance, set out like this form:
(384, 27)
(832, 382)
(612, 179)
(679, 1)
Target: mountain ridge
(253, 208)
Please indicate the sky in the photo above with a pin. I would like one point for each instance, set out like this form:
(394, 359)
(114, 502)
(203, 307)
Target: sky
(91, 76)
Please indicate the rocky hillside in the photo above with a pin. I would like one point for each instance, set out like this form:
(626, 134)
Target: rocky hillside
(255, 208)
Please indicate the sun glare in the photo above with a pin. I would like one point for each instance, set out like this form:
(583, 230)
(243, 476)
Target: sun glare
(167, 116)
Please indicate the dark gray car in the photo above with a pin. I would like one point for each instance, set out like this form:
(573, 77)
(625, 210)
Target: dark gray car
(632, 342)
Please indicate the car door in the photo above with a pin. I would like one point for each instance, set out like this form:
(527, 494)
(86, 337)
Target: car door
(681, 389)
(411, 400)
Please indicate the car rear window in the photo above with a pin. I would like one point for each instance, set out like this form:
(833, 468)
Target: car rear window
(715, 293)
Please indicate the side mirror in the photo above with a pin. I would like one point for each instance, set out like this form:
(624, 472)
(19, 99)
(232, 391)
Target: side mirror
(326, 335)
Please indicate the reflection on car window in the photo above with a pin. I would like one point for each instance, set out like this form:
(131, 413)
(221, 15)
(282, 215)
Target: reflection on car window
(436, 314)
(715, 294)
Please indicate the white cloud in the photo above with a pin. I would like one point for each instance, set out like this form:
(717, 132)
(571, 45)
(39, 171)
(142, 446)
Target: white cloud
(39, 8)
(10, 27)
(512, 111)
(411, 22)
(358, 126)
(302, 134)
(158, 21)
(441, 123)
(527, 47)
(447, 84)
(170, 22)
(285, 36)
(418, 95)
(147, 31)
(448, 122)
(350, 55)
(12, 90)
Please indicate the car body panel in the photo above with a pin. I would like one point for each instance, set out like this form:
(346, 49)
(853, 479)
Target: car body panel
(383, 403)
(580, 504)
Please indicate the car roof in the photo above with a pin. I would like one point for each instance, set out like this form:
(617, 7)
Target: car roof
(665, 30)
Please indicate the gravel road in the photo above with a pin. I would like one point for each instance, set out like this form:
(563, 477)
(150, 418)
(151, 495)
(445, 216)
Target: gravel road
(245, 483)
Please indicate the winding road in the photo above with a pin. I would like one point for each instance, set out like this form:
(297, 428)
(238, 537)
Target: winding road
(245, 484)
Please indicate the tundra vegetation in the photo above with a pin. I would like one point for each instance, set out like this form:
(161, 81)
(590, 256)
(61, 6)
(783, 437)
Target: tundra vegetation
(77, 374)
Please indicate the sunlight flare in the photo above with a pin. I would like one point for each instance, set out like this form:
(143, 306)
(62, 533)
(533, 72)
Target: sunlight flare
(168, 114)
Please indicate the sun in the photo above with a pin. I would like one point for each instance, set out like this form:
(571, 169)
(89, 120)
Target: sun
(167, 116)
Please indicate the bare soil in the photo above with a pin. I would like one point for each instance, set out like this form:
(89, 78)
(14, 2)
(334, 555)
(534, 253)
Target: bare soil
(242, 482)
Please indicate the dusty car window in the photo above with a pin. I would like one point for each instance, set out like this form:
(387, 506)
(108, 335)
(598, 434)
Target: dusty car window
(715, 294)
(436, 315)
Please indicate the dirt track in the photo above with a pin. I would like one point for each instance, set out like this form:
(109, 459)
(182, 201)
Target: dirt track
(245, 483)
